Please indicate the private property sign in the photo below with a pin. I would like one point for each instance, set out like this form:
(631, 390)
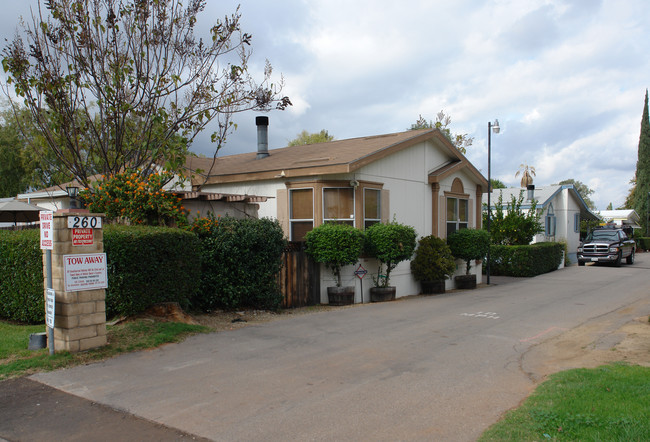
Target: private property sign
(85, 272)
(82, 237)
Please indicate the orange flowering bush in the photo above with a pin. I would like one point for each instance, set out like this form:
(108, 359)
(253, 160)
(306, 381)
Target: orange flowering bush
(205, 225)
(140, 200)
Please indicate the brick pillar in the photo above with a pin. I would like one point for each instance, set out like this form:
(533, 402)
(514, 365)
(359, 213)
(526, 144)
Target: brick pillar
(80, 316)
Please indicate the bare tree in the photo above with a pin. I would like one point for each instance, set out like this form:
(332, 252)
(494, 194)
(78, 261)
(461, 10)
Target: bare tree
(124, 84)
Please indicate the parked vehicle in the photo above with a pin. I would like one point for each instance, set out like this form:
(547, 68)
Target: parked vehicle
(607, 244)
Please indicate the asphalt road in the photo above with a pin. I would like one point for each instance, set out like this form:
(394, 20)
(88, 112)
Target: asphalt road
(428, 368)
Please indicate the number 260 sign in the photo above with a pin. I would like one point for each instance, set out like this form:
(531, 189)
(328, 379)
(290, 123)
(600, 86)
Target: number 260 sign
(84, 222)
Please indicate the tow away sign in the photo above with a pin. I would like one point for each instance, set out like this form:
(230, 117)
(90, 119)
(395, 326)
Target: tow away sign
(85, 272)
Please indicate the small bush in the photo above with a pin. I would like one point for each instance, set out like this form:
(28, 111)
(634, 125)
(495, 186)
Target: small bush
(149, 265)
(390, 244)
(468, 245)
(335, 245)
(21, 277)
(433, 260)
(527, 261)
(240, 264)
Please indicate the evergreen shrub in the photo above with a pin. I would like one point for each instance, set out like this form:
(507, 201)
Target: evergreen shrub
(21, 277)
(468, 245)
(335, 245)
(526, 261)
(150, 265)
(390, 243)
(241, 260)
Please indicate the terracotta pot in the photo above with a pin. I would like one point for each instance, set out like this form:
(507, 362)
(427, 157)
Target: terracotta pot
(465, 282)
(340, 295)
(380, 294)
(432, 287)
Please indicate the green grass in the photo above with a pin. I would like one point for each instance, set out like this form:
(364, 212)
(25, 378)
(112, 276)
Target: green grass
(608, 403)
(16, 360)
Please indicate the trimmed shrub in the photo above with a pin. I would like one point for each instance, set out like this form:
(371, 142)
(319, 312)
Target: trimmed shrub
(468, 245)
(433, 260)
(21, 277)
(335, 245)
(527, 261)
(390, 244)
(149, 265)
(240, 264)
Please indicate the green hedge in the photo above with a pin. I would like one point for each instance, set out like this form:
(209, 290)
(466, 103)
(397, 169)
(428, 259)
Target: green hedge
(643, 243)
(240, 265)
(21, 276)
(149, 265)
(530, 260)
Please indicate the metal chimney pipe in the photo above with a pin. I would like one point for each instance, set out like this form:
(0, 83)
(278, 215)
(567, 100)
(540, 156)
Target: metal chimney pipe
(531, 192)
(262, 124)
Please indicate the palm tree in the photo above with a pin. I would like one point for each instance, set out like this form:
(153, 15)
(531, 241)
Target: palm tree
(527, 174)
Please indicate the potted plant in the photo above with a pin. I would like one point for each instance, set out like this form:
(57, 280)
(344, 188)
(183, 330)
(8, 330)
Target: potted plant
(336, 245)
(468, 245)
(390, 244)
(432, 264)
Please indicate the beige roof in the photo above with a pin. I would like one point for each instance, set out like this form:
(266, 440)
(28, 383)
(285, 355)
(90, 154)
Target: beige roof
(342, 156)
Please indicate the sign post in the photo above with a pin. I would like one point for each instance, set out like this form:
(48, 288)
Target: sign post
(361, 272)
(47, 243)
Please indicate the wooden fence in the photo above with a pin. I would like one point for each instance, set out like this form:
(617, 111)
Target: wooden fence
(299, 278)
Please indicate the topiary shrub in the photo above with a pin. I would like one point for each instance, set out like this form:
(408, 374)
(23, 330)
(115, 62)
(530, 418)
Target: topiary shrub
(150, 265)
(241, 260)
(335, 245)
(433, 260)
(468, 245)
(390, 244)
(21, 277)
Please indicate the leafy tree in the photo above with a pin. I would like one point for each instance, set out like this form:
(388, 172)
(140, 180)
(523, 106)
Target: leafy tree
(497, 184)
(583, 190)
(460, 141)
(13, 175)
(305, 137)
(639, 194)
(510, 225)
(112, 84)
(610, 206)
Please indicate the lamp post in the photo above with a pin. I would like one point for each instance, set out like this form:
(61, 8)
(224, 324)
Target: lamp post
(492, 127)
(73, 192)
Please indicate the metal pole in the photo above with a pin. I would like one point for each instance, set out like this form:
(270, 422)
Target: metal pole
(487, 270)
(48, 269)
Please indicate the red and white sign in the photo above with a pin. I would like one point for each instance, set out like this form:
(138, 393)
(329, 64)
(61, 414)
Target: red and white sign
(85, 272)
(82, 237)
(47, 229)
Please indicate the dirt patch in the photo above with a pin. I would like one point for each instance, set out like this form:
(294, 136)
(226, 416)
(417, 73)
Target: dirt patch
(590, 346)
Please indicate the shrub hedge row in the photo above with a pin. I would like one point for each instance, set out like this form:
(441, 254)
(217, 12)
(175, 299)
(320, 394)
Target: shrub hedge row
(149, 265)
(529, 260)
(240, 263)
(21, 276)
(235, 266)
(643, 243)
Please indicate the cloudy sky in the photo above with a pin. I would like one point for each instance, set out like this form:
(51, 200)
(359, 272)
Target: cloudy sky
(565, 78)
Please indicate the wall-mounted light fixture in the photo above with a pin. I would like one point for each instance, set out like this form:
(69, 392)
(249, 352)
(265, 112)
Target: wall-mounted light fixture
(73, 192)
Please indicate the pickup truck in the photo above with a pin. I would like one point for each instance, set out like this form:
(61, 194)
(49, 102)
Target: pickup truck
(607, 244)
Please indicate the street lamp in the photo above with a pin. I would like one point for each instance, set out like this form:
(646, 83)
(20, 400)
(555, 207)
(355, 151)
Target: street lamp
(492, 127)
